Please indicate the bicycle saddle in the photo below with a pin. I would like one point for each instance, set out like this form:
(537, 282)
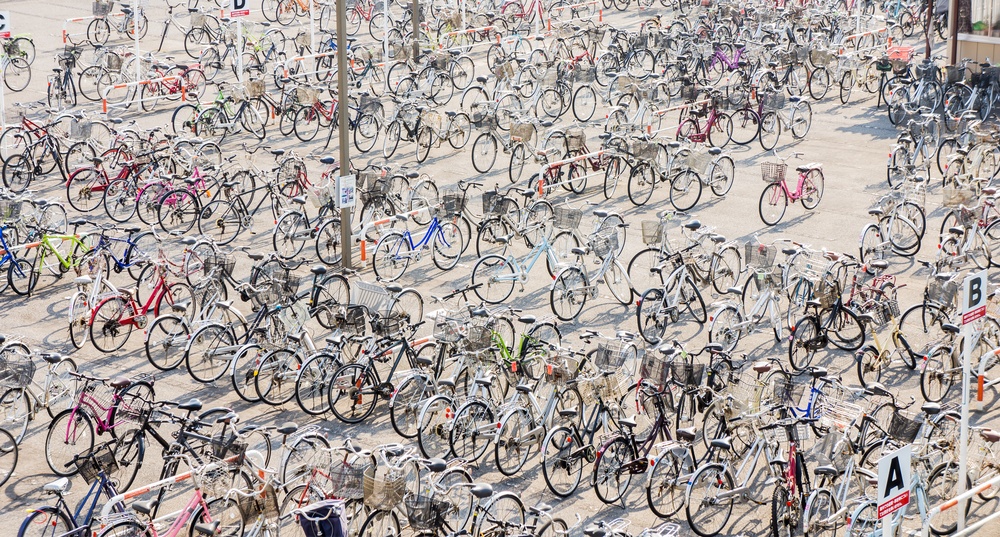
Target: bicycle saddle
(539, 509)
(83, 280)
(930, 408)
(714, 348)
(715, 151)
(990, 435)
(412, 175)
(482, 490)
(300, 200)
(628, 422)
(77, 222)
(523, 388)
(145, 507)
(687, 435)
(480, 312)
(673, 144)
(60, 486)
(394, 288)
(424, 361)
(568, 412)
(132, 229)
(188, 241)
(950, 328)
(287, 428)
(255, 257)
(879, 264)
(721, 443)
(120, 382)
(207, 528)
(52, 358)
(595, 531)
(874, 212)
(277, 152)
(830, 471)
(693, 225)
(526, 319)
(718, 239)
(600, 213)
(955, 230)
(192, 405)
(437, 465)
(866, 318)
(761, 367)
(327, 160)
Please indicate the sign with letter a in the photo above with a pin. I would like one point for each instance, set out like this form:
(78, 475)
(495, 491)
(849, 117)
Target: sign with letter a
(893, 481)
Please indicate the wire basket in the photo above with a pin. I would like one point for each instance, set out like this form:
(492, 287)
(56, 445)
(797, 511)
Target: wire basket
(643, 150)
(260, 503)
(655, 369)
(255, 88)
(16, 370)
(561, 370)
(611, 355)
(773, 101)
(219, 265)
(927, 72)
(826, 291)
(383, 489)
(550, 77)
(576, 139)
(838, 414)
(822, 58)
(942, 292)
(10, 210)
(955, 197)
(566, 217)
(426, 512)
(773, 172)
(689, 93)
(306, 96)
(612, 388)
(280, 286)
(347, 481)
(583, 75)
(101, 9)
(885, 311)
(902, 428)
(478, 338)
(504, 70)
(483, 120)
(449, 325)
(388, 324)
(744, 386)
(787, 391)
(604, 242)
(102, 460)
(653, 232)
(522, 132)
(79, 129)
(452, 203)
(687, 375)
(197, 20)
(324, 195)
(67, 60)
(759, 256)
(698, 162)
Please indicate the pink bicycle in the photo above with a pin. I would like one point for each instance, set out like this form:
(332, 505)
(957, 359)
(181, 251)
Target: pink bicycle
(102, 405)
(774, 200)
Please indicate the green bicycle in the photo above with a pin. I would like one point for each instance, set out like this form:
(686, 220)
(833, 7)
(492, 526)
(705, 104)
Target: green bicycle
(56, 253)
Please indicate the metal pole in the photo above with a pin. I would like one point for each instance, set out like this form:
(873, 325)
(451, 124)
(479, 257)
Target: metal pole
(953, 30)
(385, 28)
(345, 147)
(928, 29)
(239, 50)
(415, 17)
(312, 29)
(3, 104)
(963, 441)
(138, 57)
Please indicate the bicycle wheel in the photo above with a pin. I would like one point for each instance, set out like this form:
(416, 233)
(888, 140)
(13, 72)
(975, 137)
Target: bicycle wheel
(921, 327)
(770, 130)
(651, 315)
(47, 521)
(17, 75)
(380, 523)
(721, 175)
(872, 247)
(15, 412)
(819, 83)
(685, 190)
(472, 430)
(845, 330)
(406, 402)
(79, 319)
(391, 256)
(611, 477)
(22, 276)
(806, 340)
(435, 425)
(112, 324)
(274, 378)
(408, 306)
(562, 462)
(721, 131)
(497, 277)
(19, 172)
(773, 201)
(568, 294)
(484, 152)
(706, 514)
(209, 352)
(665, 488)
(290, 234)
(241, 377)
(812, 188)
(641, 182)
(328, 247)
(786, 515)
(119, 200)
(942, 485)
(449, 243)
(353, 394)
(584, 103)
(503, 511)
(166, 338)
(70, 433)
(178, 212)
(515, 441)
(725, 328)
(938, 374)
(334, 291)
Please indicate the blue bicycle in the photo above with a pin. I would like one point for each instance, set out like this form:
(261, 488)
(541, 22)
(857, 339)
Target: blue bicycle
(135, 249)
(494, 275)
(395, 250)
(8, 254)
(58, 520)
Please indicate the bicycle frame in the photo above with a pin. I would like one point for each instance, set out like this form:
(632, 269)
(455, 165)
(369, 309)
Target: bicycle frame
(521, 270)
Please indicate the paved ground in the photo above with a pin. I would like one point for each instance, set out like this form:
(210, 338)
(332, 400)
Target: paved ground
(851, 141)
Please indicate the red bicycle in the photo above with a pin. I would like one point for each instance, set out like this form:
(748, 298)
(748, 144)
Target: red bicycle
(717, 129)
(113, 318)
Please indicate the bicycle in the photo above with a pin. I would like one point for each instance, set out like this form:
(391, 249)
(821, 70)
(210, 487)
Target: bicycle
(23, 396)
(494, 276)
(573, 285)
(776, 195)
(662, 305)
(61, 90)
(394, 250)
(761, 293)
(99, 29)
(778, 113)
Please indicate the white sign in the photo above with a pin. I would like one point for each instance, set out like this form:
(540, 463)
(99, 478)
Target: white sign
(347, 192)
(238, 8)
(974, 297)
(893, 481)
(5, 24)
